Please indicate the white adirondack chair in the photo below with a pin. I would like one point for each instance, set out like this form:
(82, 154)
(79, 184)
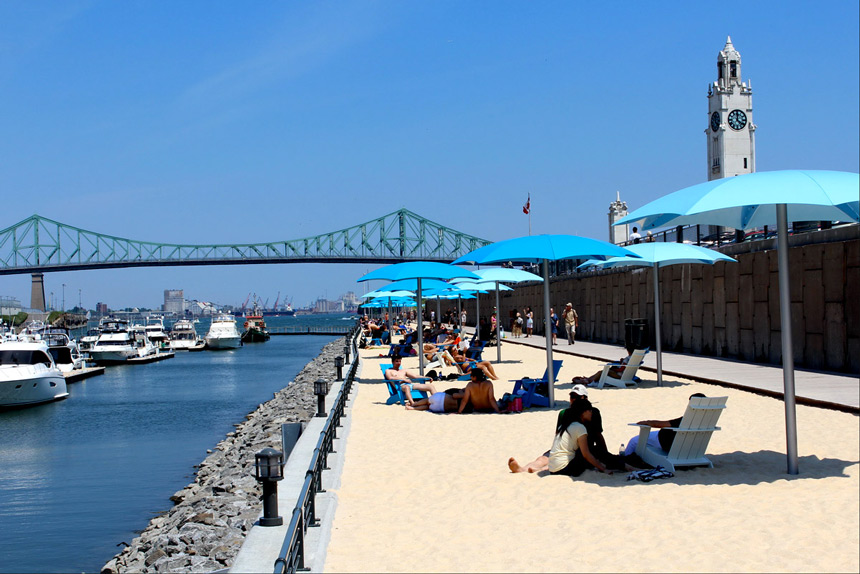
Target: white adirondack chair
(628, 376)
(691, 436)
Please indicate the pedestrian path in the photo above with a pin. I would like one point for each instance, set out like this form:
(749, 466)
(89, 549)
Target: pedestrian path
(816, 388)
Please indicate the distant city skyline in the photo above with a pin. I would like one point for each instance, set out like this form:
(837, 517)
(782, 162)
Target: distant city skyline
(212, 123)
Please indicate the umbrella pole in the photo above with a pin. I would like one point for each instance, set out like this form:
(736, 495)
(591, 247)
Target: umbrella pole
(550, 376)
(785, 328)
(657, 333)
(420, 331)
(498, 328)
(478, 315)
(460, 311)
(438, 311)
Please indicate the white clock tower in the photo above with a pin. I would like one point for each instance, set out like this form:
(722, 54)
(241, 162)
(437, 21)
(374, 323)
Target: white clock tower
(731, 132)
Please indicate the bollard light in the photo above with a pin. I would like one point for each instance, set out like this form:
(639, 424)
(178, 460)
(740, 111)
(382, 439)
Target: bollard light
(346, 353)
(321, 390)
(269, 469)
(338, 365)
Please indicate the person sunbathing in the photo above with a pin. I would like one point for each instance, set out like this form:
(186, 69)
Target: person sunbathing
(467, 364)
(478, 396)
(615, 372)
(395, 373)
(439, 402)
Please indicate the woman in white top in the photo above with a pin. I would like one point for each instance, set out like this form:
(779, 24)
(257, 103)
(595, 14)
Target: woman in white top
(569, 454)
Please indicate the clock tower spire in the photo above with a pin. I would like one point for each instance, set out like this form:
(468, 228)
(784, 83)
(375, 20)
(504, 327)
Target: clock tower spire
(730, 133)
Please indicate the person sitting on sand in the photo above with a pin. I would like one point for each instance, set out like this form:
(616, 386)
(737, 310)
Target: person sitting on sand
(479, 395)
(615, 372)
(395, 373)
(570, 454)
(662, 438)
(467, 365)
(594, 427)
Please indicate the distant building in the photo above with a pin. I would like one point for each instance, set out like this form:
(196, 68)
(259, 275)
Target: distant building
(10, 306)
(617, 209)
(102, 309)
(174, 301)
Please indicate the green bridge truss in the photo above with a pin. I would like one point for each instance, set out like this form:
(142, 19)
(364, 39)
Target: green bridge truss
(38, 244)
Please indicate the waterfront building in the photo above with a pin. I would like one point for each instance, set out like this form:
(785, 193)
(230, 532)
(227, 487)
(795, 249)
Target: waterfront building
(174, 301)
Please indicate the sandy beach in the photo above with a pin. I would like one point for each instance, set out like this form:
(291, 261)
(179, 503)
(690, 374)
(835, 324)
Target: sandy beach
(423, 492)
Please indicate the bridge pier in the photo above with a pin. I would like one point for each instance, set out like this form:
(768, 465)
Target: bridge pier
(37, 291)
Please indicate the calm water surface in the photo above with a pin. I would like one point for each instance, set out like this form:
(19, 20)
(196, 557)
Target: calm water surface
(80, 475)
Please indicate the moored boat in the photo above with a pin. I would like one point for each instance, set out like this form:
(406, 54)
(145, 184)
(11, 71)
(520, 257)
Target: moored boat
(223, 333)
(183, 336)
(255, 328)
(117, 343)
(28, 374)
(156, 332)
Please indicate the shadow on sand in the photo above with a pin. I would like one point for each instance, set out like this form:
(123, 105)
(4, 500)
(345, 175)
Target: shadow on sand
(735, 468)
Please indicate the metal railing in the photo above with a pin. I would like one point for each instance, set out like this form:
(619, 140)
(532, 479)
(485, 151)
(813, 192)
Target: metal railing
(292, 556)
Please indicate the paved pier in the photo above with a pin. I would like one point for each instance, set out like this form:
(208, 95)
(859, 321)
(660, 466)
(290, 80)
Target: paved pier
(816, 388)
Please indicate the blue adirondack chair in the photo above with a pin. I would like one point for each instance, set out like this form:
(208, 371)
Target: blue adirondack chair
(394, 390)
(527, 388)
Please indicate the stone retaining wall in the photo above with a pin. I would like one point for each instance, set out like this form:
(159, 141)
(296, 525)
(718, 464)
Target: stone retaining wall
(723, 310)
(205, 529)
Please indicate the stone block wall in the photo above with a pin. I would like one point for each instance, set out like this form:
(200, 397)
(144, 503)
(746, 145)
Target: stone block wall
(724, 310)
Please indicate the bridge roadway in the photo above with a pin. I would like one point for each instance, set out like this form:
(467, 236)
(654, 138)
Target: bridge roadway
(37, 245)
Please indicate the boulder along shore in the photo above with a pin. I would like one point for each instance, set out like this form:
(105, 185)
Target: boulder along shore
(211, 517)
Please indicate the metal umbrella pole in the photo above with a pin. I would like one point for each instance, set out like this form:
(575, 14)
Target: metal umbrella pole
(657, 334)
(420, 330)
(785, 328)
(550, 376)
(498, 327)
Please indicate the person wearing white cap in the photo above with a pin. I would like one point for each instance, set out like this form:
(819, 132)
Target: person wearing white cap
(596, 443)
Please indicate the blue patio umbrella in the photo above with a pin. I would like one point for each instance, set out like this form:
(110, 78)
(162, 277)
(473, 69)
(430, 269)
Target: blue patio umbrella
(543, 249)
(418, 270)
(498, 275)
(658, 255)
(390, 295)
(756, 200)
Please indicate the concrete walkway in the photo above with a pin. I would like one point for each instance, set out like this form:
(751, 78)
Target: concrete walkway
(815, 388)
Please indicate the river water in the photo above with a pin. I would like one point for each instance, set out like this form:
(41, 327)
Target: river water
(79, 476)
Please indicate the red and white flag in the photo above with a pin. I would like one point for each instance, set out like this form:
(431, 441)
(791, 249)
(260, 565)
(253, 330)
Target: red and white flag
(527, 206)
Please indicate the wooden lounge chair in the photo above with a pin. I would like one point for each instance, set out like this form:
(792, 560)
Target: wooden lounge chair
(691, 436)
(527, 388)
(395, 392)
(628, 375)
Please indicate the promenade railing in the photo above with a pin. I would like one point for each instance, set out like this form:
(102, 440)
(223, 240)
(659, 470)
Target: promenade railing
(292, 555)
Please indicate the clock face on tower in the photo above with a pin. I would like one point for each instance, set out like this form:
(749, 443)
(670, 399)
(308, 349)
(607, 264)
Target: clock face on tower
(737, 120)
(715, 121)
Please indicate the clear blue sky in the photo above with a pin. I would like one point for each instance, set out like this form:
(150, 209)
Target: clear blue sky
(217, 122)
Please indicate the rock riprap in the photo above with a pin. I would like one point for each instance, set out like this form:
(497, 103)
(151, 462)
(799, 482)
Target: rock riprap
(212, 515)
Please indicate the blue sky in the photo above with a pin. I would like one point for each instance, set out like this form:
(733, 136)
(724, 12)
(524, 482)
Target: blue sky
(218, 122)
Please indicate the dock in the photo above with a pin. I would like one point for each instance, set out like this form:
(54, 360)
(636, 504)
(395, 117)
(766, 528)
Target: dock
(151, 358)
(81, 374)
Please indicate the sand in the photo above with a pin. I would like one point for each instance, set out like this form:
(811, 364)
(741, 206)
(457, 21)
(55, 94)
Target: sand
(423, 492)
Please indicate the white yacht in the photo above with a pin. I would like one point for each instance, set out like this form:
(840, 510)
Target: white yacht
(117, 343)
(28, 375)
(183, 336)
(63, 350)
(156, 332)
(223, 333)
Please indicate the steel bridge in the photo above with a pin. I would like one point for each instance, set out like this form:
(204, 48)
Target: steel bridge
(38, 244)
